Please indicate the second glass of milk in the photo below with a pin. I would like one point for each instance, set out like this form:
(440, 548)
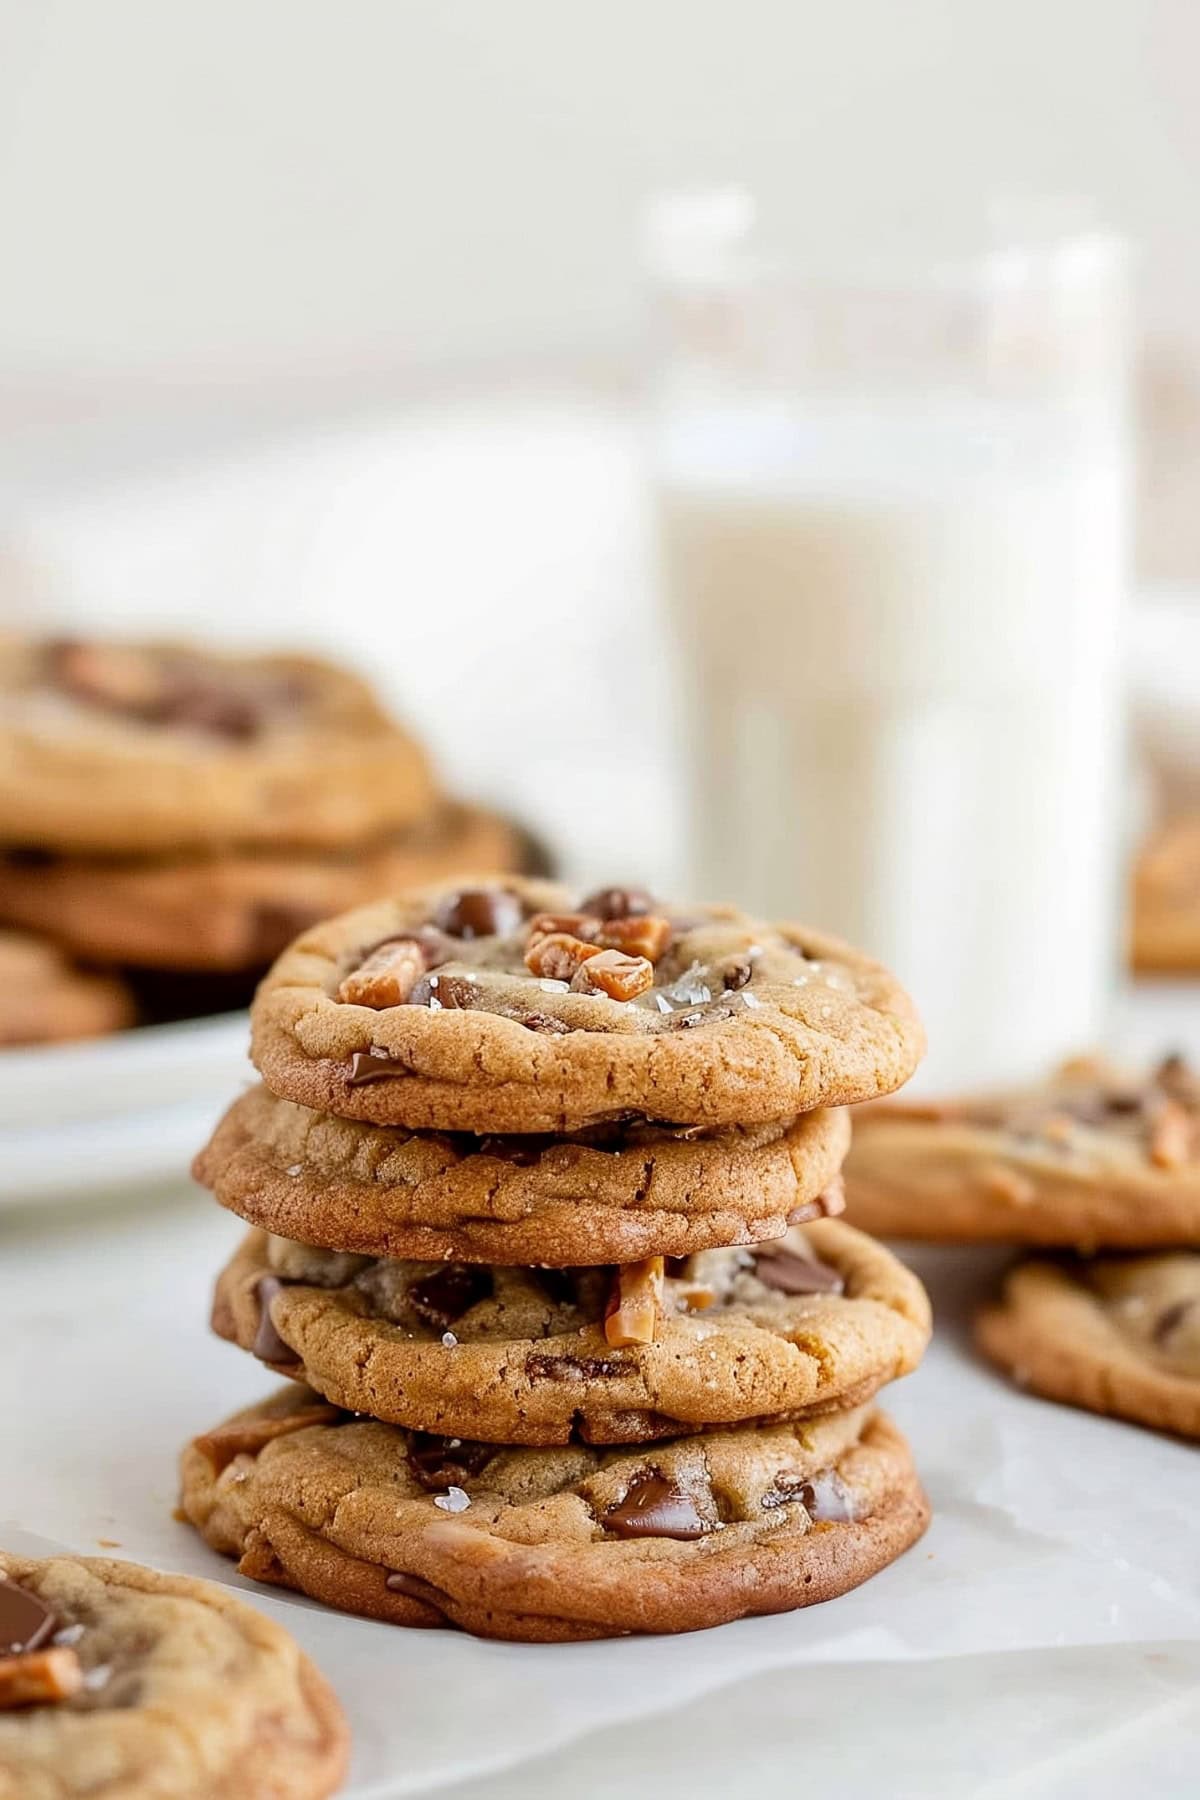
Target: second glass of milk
(894, 519)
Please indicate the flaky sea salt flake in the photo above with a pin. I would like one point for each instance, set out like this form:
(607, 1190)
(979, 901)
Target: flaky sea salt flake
(454, 1500)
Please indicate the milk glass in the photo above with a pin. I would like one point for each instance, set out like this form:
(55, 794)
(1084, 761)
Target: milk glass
(894, 521)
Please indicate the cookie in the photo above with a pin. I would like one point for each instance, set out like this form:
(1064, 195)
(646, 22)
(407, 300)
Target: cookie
(615, 1193)
(1119, 1335)
(154, 748)
(814, 1322)
(1091, 1158)
(44, 1000)
(551, 1545)
(235, 909)
(118, 1683)
(1165, 937)
(518, 1007)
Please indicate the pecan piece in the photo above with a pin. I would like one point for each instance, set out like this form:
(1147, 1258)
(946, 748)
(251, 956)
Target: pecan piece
(386, 978)
(646, 936)
(635, 1305)
(39, 1676)
(613, 973)
(558, 956)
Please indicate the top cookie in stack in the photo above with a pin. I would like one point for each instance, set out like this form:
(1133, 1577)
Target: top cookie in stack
(172, 808)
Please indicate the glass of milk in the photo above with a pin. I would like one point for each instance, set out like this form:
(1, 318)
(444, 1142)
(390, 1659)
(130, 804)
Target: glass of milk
(894, 515)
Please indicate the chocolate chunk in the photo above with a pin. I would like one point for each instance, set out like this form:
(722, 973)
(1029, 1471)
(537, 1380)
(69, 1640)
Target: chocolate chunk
(26, 1622)
(452, 992)
(736, 975)
(655, 1507)
(441, 1298)
(1171, 1318)
(539, 1021)
(268, 1346)
(570, 1368)
(479, 912)
(273, 927)
(827, 1500)
(401, 1582)
(368, 1065)
(618, 903)
(208, 706)
(439, 1462)
(790, 1271)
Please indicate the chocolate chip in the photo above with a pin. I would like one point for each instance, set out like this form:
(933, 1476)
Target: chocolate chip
(400, 1582)
(441, 1298)
(268, 1346)
(539, 1021)
(1171, 1318)
(440, 1462)
(790, 1271)
(618, 903)
(368, 1065)
(655, 1507)
(26, 1622)
(736, 976)
(479, 912)
(452, 992)
(570, 1368)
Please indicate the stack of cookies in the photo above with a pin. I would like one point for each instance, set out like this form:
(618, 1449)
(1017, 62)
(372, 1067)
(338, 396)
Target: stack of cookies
(1100, 1171)
(541, 1192)
(182, 814)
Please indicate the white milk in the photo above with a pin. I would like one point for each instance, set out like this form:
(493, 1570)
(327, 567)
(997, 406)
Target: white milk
(901, 639)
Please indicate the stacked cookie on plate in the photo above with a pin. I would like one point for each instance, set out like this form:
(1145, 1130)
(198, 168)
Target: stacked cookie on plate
(1096, 1165)
(182, 813)
(541, 1192)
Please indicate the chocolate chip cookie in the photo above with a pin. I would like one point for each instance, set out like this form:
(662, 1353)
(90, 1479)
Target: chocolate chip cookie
(815, 1322)
(156, 747)
(550, 1545)
(1117, 1334)
(522, 1007)
(615, 1192)
(117, 1683)
(43, 999)
(235, 909)
(1092, 1158)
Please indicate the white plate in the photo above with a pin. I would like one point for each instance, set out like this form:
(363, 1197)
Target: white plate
(79, 1121)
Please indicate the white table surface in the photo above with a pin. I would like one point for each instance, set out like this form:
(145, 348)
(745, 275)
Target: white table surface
(1044, 1639)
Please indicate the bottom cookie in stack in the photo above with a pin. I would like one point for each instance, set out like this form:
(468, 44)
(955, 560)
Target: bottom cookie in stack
(549, 1545)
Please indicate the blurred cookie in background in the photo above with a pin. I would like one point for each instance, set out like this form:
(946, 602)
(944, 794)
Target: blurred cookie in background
(1166, 901)
(44, 999)
(185, 813)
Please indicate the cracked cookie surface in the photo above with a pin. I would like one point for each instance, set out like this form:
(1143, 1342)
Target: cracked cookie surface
(1118, 1335)
(814, 1322)
(137, 1686)
(522, 1007)
(551, 1545)
(613, 1194)
(146, 747)
(1093, 1158)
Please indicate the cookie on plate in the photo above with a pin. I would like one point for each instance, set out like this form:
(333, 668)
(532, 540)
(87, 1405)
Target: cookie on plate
(118, 1683)
(1166, 902)
(155, 747)
(814, 1322)
(236, 908)
(519, 1006)
(1116, 1334)
(1091, 1158)
(550, 1545)
(44, 1000)
(617, 1192)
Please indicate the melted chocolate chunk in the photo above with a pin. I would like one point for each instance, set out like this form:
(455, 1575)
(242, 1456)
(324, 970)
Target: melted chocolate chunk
(655, 1507)
(401, 1582)
(827, 1500)
(479, 912)
(452, 992)
(441, 1298)
(619, 903)
(26, 1622)
(736, 976)
(570, 1368)
(439, 1462)
(206, 706)
(788, 1271)
(268, 1346)
(273, 927)
(1170, 1319)
(366, 1065)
